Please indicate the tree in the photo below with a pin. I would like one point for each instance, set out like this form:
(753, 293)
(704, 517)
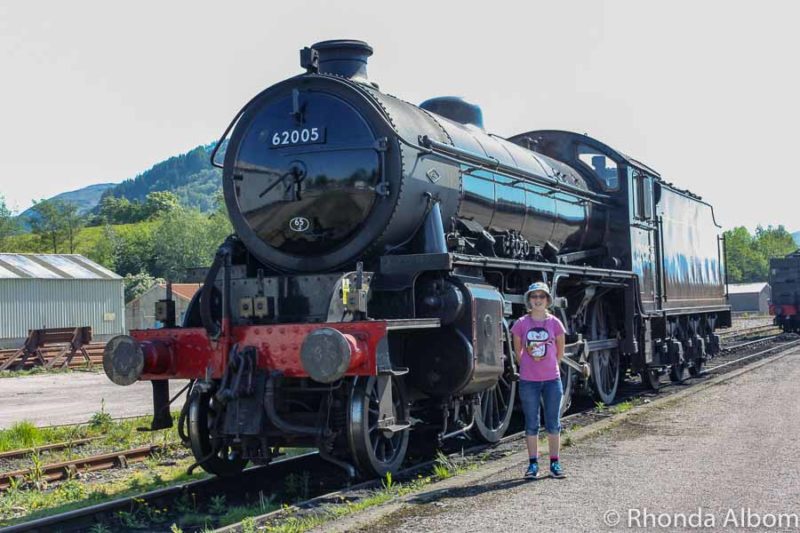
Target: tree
(159, 203)
(112, 210)
(133, 249)
(181, 242)
(102, 252)
(73, 221)
(774, 242)
(748, 255)
(137, 284)
(48, 224)
(8, 224)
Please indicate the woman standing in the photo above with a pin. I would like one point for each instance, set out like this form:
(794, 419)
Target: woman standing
(539, 347)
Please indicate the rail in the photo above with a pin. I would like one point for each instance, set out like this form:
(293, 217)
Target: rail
(67, 469)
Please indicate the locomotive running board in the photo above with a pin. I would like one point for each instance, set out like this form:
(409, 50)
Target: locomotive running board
(397, 324)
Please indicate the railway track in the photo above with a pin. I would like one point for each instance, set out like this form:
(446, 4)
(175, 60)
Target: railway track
(68, 469)
(743, 332)
(325, 481)
(18, 454)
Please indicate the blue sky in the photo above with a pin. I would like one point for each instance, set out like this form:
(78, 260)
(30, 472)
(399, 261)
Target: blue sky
(705, 92)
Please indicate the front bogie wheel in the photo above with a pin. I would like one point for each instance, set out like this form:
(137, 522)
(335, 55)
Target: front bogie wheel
(209, 449)
(376, 450)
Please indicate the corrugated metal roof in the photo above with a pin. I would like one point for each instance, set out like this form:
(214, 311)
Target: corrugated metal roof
(742, 288)
(51, 266)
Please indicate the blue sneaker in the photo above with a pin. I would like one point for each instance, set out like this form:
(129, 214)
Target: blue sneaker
(533, 471)
(555, 469)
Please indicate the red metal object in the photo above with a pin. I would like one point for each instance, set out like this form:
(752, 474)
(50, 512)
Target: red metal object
(784, 310)
(186, 353)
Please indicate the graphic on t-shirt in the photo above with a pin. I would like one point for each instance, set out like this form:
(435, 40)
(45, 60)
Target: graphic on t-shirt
(537, 342)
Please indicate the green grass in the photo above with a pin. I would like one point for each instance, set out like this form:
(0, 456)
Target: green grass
(18, 504)
(39, 370)
(622, 407)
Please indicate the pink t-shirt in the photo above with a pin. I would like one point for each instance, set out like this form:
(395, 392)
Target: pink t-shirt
(538, 361)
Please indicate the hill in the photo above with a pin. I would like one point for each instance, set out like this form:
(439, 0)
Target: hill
(86, 199)
(190, 176)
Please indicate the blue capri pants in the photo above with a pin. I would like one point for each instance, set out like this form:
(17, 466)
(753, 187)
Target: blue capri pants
(532, 394)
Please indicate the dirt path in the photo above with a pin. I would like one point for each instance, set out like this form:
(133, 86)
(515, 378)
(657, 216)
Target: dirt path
(50, 399)
(710, 457)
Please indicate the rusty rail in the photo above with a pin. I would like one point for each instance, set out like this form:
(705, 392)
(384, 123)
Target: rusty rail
(67, 469)
(748, 331)
(17, 454)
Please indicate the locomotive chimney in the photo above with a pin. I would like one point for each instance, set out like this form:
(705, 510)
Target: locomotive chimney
(341, 57)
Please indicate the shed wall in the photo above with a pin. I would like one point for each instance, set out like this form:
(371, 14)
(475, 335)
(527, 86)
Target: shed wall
(51, 303)
(754, 302)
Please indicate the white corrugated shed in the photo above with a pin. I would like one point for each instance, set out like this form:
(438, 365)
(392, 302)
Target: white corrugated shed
(749, 297)
(56, 291)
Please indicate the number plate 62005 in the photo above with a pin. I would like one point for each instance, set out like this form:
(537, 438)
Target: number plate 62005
(296, 137)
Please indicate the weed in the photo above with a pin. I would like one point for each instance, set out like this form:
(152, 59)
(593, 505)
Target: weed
(217, 505)
(566, 439)
(297, 485)
(622, 407)
(265, 503)
(36, 475)
(388, 482)
(131, 520)
(443, 468)
(22, 434)
(99, 528)
(174, 528)
(101, 419)
(183, 504)
(599, 406)
(249, 525)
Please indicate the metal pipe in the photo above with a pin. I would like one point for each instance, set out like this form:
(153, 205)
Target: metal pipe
(462, 430)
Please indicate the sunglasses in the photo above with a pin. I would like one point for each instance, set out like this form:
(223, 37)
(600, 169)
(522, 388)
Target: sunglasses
(540, 296)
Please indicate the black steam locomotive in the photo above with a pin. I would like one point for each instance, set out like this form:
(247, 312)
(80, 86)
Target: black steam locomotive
(381, 250)
(784, 279)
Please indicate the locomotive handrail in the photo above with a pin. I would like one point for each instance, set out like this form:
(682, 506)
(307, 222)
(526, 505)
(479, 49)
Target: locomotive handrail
(489, 163)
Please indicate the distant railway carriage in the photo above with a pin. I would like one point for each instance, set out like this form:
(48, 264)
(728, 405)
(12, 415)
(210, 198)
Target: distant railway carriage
(381, 252)
(784, 278)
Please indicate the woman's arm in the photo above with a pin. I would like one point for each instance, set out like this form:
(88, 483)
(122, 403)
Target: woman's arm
(560, 347)
(518, 348)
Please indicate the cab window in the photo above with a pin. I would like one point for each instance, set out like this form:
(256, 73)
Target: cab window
(642, 194)
(603, 166)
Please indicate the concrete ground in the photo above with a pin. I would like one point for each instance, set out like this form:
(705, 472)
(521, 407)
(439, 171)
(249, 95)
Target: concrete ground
(51, 399)
(702, 461)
